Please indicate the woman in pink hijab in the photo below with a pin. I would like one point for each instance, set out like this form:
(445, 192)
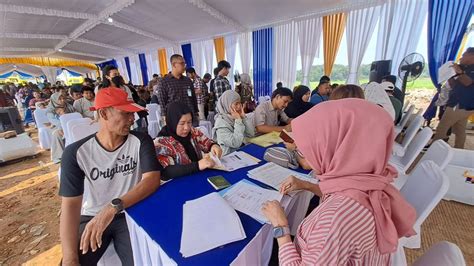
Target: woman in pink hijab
(361, 216)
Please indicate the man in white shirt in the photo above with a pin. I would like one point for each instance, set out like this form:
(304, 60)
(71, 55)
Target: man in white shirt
(84, 104)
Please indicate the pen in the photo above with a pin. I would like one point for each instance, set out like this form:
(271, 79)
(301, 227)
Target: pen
(238, 157)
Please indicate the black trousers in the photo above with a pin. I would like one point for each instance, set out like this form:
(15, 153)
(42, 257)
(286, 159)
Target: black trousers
(116, 231)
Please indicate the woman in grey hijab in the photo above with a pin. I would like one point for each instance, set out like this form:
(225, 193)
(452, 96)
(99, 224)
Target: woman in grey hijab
(57, 106)
(231, 126)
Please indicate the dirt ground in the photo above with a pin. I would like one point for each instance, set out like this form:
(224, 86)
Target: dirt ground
(29, 206)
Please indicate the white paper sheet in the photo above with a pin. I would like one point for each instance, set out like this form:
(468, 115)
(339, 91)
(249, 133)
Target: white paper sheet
(273, 175)
(209, 222)
(234, 161)
(446, 71)
(248, 198)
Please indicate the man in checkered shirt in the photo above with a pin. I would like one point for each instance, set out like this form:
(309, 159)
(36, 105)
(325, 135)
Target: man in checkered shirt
(175, 87)
(200, 90)
(221, 83)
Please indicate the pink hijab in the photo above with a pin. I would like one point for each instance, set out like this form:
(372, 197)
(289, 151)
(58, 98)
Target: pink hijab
(350, 141)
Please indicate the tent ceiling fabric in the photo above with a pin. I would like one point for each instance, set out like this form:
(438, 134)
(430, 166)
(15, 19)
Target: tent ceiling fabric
(140, 25)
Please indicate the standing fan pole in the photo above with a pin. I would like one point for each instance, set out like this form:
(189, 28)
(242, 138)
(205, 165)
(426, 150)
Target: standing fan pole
(404, 85)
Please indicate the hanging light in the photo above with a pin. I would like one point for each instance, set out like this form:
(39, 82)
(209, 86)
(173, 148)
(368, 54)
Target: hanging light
(110, 20)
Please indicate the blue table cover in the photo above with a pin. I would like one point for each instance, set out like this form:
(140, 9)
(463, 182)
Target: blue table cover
(161, 214)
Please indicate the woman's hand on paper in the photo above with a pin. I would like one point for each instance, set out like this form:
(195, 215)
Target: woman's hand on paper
(291, 184)
(216, 150)
(274, 213)
(206, 162)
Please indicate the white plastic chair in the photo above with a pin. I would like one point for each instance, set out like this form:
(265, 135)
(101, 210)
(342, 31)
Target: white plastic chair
(439, 152)
(66, 118)
(110, 257)
(154, 115)
(441, 254)
(44, 132)
(460, 191)
(402, 163)
(80, 131)
(208, 126)
(263, 99)
(204, 131)
(74, 123)
(400, 149)
(403, 122)
(405, 106)
(424, 189)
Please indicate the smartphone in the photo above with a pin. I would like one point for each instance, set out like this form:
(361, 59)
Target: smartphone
(285, 137)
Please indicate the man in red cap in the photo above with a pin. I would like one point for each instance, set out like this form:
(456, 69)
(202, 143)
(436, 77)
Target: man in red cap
(101, 175)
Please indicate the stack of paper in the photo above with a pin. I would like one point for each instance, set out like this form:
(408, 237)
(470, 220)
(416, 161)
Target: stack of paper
(273, 175)
(267, 139)
(248, 198)
(209, 222)
(234, 161)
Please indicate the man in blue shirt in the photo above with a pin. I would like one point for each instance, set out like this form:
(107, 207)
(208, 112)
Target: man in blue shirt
(321, 93)
(461, 100)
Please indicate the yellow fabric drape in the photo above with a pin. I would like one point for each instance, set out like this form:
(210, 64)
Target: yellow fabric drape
(463, 45)
(219, 45)
(47, 61)
(333, 29)
(162, 59)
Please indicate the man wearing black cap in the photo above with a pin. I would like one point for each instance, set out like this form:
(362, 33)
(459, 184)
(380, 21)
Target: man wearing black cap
(321, 93)
(323, 82)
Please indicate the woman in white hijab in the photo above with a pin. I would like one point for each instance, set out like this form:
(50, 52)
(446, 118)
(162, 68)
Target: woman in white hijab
(231, 126)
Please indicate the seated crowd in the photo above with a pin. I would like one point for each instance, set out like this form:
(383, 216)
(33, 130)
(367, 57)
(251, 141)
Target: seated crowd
(354, 184)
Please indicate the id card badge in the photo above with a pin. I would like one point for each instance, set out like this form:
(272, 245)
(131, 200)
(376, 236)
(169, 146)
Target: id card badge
(190, 94)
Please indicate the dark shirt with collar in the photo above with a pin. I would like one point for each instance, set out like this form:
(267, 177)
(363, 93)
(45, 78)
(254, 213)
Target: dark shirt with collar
(171, 89)
(221, 84)
(461, 95)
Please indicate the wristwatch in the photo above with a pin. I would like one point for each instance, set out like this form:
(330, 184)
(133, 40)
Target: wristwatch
(280, 231)
(117, 204)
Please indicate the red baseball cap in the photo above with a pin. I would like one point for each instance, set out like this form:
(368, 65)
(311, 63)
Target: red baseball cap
(116, 98)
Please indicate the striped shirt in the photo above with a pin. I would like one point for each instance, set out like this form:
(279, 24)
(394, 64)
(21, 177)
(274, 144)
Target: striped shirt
(339, 232)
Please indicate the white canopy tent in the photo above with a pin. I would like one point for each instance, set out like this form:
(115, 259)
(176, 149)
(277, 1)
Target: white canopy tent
(82, 29)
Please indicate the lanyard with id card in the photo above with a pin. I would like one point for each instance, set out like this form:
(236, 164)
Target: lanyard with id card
(190, 93)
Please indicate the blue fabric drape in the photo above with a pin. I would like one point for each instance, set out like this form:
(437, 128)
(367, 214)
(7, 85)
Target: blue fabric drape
(127, 66)
(187, 54)
(72, 73)
(110, 62)
(447, 22)
(262, 42)
(143, 67)
(21, 74)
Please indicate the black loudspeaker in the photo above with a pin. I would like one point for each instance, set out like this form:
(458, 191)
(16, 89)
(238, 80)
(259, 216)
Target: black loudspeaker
(379, 69)
(10, 120)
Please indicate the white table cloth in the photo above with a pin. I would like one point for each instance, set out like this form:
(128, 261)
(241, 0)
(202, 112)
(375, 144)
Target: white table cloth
(257, 252)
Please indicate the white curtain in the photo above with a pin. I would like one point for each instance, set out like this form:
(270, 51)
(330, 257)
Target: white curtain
(135, 70)
(208, 48)
(50, 73)
(152, 63)
(175, 49)
(359, 29)
(309, 36)
(245, 45)
(122, 68)
(285, 52)
(197, 48)
(231, 49)
(400, 26)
